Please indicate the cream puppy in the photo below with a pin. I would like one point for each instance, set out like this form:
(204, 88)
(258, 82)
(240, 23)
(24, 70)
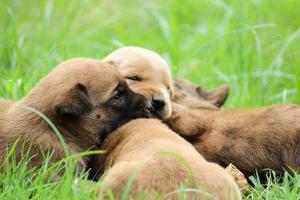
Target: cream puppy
(146, 73)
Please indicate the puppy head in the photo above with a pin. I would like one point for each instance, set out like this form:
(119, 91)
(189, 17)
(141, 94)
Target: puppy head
(87, 98)
(195, 96)
(147, 74)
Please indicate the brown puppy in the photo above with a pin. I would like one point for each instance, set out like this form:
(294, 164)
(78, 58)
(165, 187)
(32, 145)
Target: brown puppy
(146, 73)
(162, 161)
(251, 139)
(86, 99)
(200, 98)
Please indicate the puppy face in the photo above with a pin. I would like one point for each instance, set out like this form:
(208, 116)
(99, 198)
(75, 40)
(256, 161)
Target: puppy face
(147, 74)
(196, 97)
(87, 98)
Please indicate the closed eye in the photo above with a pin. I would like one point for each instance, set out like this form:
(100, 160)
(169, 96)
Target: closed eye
(134, 78)
(118, 92)
(117, 96)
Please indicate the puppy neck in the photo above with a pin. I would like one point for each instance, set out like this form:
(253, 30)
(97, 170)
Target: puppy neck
(111, 145)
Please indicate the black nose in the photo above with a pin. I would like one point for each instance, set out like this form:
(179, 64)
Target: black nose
(158, 102)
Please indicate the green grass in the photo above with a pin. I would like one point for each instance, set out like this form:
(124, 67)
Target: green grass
(254, 46)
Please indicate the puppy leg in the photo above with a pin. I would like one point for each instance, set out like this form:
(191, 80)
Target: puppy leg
(186, 121)
(239, 178)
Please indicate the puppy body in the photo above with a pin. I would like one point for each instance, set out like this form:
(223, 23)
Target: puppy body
(141, 147)
(251, 139)
(146, 73)
(82, 98)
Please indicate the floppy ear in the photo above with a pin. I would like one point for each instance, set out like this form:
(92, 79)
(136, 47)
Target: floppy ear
(172, 89)
(217, 96)
(76, 103)
(112, 62)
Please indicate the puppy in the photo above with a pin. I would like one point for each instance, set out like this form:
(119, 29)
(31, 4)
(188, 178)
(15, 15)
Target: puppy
(146, 73)
(159, 161)
(251, 139)
(86, 99)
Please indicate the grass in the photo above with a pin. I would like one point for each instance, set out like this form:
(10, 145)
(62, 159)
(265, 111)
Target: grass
(254, 46)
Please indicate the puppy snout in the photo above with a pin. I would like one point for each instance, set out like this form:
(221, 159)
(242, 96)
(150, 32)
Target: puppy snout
(143, 107)
(158, 102)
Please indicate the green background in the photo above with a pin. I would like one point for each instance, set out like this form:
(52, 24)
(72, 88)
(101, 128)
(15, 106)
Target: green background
(251, 45)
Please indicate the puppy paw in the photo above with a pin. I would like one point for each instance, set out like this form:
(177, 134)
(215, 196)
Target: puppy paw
(239, 178)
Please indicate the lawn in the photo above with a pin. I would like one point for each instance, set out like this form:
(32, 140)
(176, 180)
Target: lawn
(253, 46)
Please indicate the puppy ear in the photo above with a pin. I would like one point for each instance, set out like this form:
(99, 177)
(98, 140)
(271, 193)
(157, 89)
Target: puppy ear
(112, 63)
(171, 89)
(76, 103)
(202, 92)
(217, 96)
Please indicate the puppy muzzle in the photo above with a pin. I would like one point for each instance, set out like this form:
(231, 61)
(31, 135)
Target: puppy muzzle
(140, 108)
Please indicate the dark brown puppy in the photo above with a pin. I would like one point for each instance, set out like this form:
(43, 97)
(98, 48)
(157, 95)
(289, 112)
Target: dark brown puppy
(162, 161)
(85, 98)
(251, 139)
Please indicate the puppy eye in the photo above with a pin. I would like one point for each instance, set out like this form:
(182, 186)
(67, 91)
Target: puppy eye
(133, 78)
(117, 96)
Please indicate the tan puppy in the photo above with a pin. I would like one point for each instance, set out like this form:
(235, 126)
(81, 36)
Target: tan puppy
(251, 139)
(86, 99)
(163, 162)
(146, 73)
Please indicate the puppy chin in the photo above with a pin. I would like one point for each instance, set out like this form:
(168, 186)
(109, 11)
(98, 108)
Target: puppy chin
(146, 113)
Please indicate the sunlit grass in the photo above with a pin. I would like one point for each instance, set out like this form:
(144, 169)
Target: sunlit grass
(254, 46)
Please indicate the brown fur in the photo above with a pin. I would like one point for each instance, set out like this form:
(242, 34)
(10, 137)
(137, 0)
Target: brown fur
(5, 104)
(146, 73)
(239, 178)
(85, 98)
(133, 146)
(251, 139)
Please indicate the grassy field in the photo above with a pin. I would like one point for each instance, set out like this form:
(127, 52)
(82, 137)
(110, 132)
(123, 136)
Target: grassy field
(254, 46)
